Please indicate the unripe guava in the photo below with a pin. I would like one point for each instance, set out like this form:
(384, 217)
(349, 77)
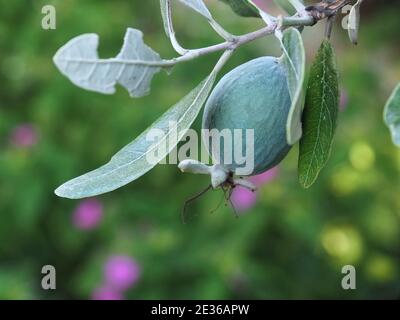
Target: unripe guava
(256, 96)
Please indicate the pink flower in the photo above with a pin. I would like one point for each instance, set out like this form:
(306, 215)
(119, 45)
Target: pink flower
(261, 4)
(121, 272)
(88, 214)
(265, 177)
(24, 136)
(243, 199)
(107, 293)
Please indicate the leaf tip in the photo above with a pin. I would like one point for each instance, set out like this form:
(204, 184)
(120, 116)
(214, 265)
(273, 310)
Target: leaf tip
(306, 183)
(64, 192)
(59, 192)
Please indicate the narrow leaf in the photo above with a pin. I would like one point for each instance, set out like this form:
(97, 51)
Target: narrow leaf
(133, 68)
(199, 7)
(165, 6)
(294, 61)
(320, 115)
(392, 115)
(132, 162)
(242, 8)
(166, 14)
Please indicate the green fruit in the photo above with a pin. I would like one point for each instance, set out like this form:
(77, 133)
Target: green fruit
(255, 96)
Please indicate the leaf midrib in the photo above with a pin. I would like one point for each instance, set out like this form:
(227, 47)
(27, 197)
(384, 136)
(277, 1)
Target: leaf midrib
(320, 120)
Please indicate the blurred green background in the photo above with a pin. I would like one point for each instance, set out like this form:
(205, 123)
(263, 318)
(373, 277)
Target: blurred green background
(291, 244)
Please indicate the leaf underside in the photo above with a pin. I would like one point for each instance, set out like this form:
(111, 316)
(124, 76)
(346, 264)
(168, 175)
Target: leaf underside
(319, 116)
(294, 61)
(131, 162)
(392, 115)
(133, 68)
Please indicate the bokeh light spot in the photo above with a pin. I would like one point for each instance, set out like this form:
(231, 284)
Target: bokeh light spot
(343, 243)
(362, 156)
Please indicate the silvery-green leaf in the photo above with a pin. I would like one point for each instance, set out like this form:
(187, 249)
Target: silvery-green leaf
(165, 6)
(294, 61)
(320, 115)
(132, 162)
(166, 14)
(392, 115)
(354, 22)
(133, 68)
(199, 7)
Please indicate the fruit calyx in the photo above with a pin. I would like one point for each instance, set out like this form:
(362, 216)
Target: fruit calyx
(220, 177)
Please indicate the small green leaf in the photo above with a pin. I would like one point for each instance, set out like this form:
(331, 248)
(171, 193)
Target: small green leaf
(132, 162)
(319, 116)
(392, 115)
(242, 8)
(294, 61)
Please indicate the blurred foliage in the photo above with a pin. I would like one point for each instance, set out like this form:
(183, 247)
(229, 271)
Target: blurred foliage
(292, 244)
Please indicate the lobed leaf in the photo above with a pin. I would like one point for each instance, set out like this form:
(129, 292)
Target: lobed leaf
(294, 61)
(392, 115)
(133, 68)
(320, 115)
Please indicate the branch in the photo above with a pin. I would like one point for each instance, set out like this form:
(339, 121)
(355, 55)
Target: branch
(326, 9)
(239, 41)
(229, 45)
